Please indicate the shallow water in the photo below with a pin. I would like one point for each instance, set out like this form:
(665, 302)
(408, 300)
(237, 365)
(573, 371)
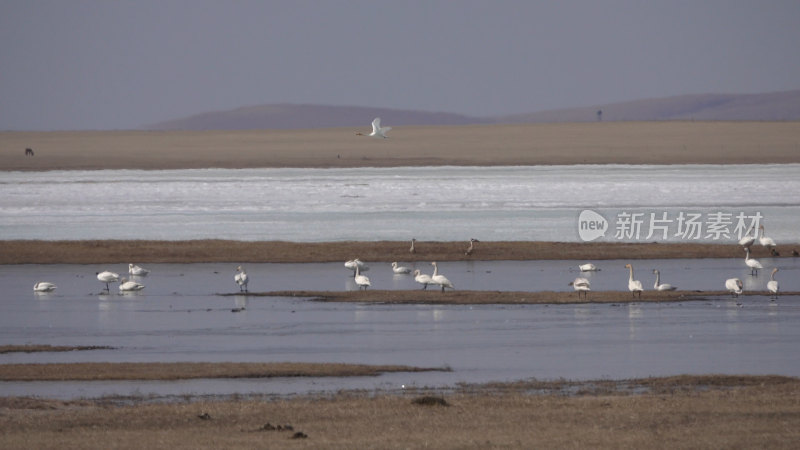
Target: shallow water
(429, 203)
(179, 317)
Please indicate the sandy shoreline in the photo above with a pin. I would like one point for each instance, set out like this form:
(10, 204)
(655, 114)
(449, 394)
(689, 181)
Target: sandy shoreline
(116, 252)
(480, 145)
(672, 412)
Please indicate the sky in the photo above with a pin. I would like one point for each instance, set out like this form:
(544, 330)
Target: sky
(120, 64)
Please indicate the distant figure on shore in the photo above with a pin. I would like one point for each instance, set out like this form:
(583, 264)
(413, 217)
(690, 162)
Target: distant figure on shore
(412, 249)
(28, 152)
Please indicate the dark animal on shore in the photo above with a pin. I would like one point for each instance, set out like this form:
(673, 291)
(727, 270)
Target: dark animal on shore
(28, 152)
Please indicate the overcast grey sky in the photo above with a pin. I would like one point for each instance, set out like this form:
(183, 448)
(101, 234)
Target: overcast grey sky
(68, 64)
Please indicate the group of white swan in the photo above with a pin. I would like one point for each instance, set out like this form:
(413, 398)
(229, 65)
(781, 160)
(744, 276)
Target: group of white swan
(436, 278)
(747, 241)
(125, 285)
(733, 285)
(363, 282)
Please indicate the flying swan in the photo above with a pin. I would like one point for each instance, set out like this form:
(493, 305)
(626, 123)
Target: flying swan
(377, 130)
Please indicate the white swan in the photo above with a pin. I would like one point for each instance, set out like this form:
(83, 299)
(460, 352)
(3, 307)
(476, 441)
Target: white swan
(127, 286)
(765, 241)
(471, 248)
(753, 264)
(634, 285)
(581, 284)
(377, 130)
(662, 287)
(241, 278)
(734, 285)
(44, 286)
(588, 267)
(772, 285)
(107, 277)
(412, 249)
(441, 280)
(133, 269)
(361, 280)
(422, 278)
(400, 269)
(354, 264)
(746, 241)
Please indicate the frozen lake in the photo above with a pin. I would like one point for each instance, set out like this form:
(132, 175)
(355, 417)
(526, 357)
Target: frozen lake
(429, 203)
(180, 317)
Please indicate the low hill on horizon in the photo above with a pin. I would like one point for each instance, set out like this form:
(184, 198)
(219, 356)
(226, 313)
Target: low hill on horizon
(773, 106)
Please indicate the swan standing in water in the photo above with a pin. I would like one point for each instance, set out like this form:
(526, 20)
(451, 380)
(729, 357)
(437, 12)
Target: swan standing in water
(772, 285)
(580, 284)
(127, 286)
(107, 277)
(471, 248)
(753, 264)
(44, 286)
(400, 269)
(422, 278)
(361, 280)
(765, 241)
(377, 130)
(135, 270)
(354, 264)
(662, 287)
(588, 267)
(440, 279)
(734, 285)
(634, 285)
(241, 279)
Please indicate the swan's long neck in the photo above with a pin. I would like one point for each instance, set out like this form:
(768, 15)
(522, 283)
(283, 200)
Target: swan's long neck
(761, 234)
(747, 255)
(357, 272)
(631, 277)
(435, 270)
(658, 278)
(470, 246)
(772, 277)
(412, 246)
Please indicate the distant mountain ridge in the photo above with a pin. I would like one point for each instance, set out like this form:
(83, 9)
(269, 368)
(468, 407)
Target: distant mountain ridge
(774, 106)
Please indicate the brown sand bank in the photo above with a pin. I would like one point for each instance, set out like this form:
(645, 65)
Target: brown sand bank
(49, 348)
(119, 252)
(527, 144)
(674, 412)
(190, 370)
(435, 296)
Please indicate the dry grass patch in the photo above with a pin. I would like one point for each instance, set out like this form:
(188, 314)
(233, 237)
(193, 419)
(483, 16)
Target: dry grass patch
(189, 370)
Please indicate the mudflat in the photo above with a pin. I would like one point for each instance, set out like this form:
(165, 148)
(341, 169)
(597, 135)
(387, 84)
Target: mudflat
(526, 144)
(675, 412)
(197, 251)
